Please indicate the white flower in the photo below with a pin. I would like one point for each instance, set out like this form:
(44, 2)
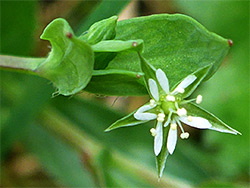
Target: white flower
(165, 108)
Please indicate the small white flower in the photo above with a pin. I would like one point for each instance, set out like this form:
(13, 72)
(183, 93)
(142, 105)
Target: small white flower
(168, 106)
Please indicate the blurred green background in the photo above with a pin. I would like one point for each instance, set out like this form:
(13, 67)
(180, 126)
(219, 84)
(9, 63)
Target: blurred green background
(55, 142)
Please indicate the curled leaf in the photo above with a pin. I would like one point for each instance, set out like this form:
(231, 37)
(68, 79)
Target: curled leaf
(70, 63)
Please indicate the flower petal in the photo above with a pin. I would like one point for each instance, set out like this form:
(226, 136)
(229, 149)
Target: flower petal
(153, 89)
(145, 116)
(163, 80)
(145, 108)
(158, 140)
(197, 122)
(185, 83)
(172, 140)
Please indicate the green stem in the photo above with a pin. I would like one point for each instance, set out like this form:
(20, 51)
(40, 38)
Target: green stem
(23, 64)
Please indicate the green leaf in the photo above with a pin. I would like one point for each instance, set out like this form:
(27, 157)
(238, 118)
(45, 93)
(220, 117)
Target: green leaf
(118, 46)
(162, 157)
(71, 61)
(102, 30)
(61, 162)
(200, 75)
(116, 82)
(217, 124)
(177, 44)
(126, 121)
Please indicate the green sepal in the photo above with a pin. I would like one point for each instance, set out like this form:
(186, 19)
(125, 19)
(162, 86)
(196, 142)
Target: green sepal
(118, 46)
(200, 74)
(162, 157)
(102, 30)
(148, 70)
(116, 82)
(217, 124)
(70, 63)
(126, 121)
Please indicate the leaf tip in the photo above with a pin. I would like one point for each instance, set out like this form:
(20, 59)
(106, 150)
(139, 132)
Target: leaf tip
(230, 42)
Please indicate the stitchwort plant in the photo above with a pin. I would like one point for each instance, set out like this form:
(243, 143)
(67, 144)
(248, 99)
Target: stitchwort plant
(129, 58)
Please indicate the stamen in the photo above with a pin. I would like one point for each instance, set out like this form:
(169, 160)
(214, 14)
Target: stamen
(198, 99)
(153, 132)
(182, 112)
(173, 126)
(179, 123)
(161, 117)
(152, 102)
(169, 118)
(190, 118)
(170, 98)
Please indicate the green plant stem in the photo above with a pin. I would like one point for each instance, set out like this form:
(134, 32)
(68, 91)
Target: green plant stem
(22, 64)
(84, 144)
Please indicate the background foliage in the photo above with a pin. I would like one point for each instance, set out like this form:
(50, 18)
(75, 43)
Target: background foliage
(40, 134)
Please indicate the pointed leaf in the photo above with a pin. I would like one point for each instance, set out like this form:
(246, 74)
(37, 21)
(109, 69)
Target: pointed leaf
(71, 61)
(200, 75)
(116, 82)
(217, 124)
(162, 157)
(126, 121)
(102, 30)
(177, 44)
(118, 45)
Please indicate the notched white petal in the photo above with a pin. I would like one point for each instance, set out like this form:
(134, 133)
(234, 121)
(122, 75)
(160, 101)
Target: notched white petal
(158, 140)
(163, 80)
(172, 140)
(153, 89)
(197, 122)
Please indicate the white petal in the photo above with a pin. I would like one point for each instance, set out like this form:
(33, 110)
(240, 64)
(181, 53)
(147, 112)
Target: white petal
(145, 116)
(145, 108)
(197, 122)
(185, 83)
(158, 140)
(153, 89)
(163, 80)
(172, 140)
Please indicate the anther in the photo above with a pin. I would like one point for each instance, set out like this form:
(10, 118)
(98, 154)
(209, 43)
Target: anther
(161, 117)
(198, 99)
(180, 90)
(173, 126)
(153, 132)
(69, 35)
(170, 98)
(134, 44)
(184, 135)
(230, 42)
(152, 102)
(190, 118)
(182, 112)
(138, 76)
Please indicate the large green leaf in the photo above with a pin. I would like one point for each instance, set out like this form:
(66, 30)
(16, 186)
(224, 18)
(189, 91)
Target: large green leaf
(175, 43)
(71, 61)
(58, 159)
